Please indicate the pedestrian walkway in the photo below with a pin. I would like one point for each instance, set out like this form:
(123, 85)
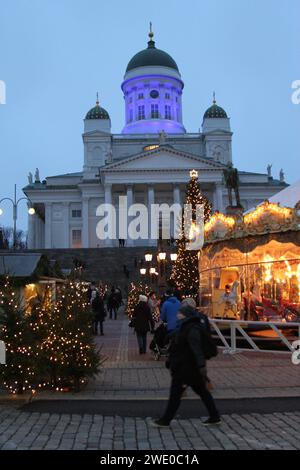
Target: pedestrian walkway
(127, 374)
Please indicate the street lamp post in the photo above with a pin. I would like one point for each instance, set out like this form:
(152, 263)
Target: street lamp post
(15, 203)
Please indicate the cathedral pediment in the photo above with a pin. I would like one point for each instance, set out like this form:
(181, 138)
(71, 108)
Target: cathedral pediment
(163, 158)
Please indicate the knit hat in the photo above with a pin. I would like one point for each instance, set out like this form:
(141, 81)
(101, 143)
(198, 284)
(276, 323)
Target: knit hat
(143, 298)
(187, 311)
(189, 302)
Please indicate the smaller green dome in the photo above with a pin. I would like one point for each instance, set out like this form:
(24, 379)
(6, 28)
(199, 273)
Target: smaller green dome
(97, 112)
(215, 111)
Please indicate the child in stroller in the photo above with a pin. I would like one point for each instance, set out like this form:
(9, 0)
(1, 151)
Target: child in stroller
(160, 342)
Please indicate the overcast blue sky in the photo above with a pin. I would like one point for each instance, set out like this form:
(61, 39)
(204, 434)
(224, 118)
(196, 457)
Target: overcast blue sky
(55, 55)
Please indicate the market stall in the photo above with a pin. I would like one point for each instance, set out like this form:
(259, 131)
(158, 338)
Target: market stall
(33, 276)
(250, 265)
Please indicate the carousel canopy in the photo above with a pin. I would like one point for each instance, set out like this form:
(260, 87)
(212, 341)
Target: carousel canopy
(288, 197)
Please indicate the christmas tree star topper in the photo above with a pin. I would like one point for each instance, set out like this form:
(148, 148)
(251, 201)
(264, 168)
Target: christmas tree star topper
(194, 174)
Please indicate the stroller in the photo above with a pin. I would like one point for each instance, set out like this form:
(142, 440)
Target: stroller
(160, 342)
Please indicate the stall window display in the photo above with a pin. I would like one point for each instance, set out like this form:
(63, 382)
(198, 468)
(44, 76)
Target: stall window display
(247, 276)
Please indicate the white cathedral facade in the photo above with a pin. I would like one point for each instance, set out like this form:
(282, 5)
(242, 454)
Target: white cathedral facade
(149, 161)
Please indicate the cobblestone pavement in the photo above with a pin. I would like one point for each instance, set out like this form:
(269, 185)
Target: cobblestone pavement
(22, 430)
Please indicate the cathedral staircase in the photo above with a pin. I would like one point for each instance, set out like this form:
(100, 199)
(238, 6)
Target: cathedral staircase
(112, 266)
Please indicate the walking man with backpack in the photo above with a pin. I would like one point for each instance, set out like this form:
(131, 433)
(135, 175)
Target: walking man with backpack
(191, 345)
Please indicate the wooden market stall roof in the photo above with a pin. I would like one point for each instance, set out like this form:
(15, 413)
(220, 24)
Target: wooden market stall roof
(19, 265)
(28, 267)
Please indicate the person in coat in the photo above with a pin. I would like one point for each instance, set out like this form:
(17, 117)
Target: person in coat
(99, 313)
(143, 322)
(113, 303)
(169, 311)
(187, 365)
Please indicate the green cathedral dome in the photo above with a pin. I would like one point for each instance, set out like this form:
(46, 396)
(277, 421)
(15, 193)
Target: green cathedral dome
(152, 57)
(97, 112)
(215, 111)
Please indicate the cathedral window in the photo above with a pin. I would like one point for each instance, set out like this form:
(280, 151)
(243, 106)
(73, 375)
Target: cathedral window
(141, 96)
(130, 115)
(168, 112)
(76, 238)
(167, 96)
(76, 213)
(154, 94)
(154, 111)
(141, 113)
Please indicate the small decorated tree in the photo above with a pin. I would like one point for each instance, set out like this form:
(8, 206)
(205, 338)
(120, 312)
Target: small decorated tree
(20, 372)
(70, 348)
(185, 274)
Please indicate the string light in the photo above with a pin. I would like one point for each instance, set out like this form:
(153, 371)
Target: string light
(218, 217)
(263, 209)
(49, 334)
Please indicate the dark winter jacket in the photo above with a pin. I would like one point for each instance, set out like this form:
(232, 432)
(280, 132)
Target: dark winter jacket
(186, 355)
(142, 318)
(169, 312)
(113, 300)
(98, 308)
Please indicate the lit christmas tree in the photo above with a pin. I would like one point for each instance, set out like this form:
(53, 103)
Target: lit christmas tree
(70, 349)
(49, 345)
(185, 274)
(20, 372)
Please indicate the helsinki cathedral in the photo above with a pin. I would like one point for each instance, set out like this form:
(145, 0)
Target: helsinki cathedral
(149, 161)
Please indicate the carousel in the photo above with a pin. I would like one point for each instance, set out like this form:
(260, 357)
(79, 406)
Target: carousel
(250, 265)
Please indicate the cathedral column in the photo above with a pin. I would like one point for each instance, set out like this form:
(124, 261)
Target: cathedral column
(151, 201)
(85, 222)
(48, 225)
(38, 232)
(66, 215)
(129, 194)
(31, 232)
(218, 197)
(176, 200)
(108, 200)
(176, 194)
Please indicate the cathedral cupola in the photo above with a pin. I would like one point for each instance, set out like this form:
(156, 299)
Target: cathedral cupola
(215, 111)
(152, 90)
(215, 118)
(97, 118)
